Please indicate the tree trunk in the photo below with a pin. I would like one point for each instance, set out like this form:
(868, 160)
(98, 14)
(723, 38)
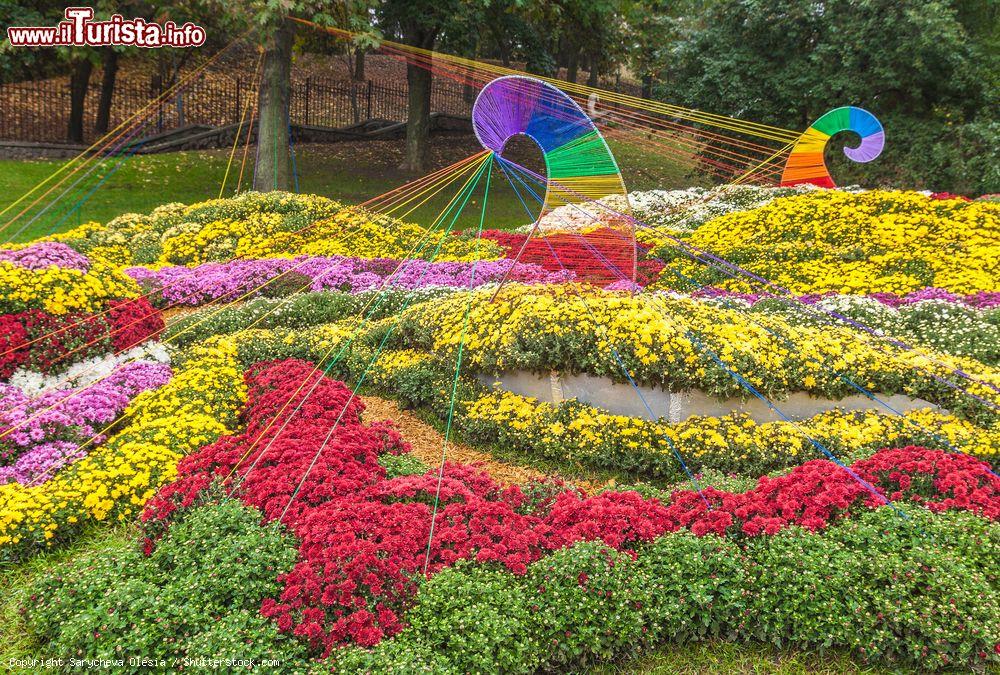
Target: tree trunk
(572, 66)
(592, 77)
(504, 48)
(359, 64)
(273, 169)
(647, 86)
(78, 83)
(107, 91)
(418, 118)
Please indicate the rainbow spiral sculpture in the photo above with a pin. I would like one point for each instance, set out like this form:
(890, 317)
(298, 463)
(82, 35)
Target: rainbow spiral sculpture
(806, 163)
(579, 165)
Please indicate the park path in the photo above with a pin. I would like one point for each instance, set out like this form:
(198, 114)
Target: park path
(426, 442)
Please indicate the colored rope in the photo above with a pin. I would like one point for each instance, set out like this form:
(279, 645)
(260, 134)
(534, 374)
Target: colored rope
(458, 368)
(239, 128)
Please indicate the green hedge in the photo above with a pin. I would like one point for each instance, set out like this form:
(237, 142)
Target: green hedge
(197, 596)
(301, 310)
(926, 596)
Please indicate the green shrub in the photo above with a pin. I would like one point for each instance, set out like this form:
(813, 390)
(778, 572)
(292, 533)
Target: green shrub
(197, 595)
(402, 465)
(286, 284)
(699, 587)
(301, 310)
(922, 590)
(587, 603)
(478, 618)
(391, 657)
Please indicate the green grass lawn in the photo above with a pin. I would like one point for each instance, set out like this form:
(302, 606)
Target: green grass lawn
(348, 172)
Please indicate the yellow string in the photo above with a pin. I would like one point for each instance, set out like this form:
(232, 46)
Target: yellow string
(239, 129)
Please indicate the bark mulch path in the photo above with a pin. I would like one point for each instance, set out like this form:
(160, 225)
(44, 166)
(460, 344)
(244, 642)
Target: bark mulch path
(426, 443)
(172, 314)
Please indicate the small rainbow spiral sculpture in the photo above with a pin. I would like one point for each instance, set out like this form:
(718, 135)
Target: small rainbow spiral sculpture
(806, 163)
(579, 165)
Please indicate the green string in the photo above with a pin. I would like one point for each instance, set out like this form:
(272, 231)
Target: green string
(458, 368)
(470, 189)
(383, 294)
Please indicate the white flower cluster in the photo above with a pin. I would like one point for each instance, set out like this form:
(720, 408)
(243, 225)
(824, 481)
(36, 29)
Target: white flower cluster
(87, 372)
(940, 325)
(680, 210)
(685, 210)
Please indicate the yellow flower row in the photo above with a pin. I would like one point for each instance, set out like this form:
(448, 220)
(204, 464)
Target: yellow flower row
(261, 225)
(113, 482)
(60, 290)
(829, 240)
(671, 340)
(734, 443)
(361, 234)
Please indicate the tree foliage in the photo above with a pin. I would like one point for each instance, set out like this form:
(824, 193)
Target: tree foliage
(928, 70)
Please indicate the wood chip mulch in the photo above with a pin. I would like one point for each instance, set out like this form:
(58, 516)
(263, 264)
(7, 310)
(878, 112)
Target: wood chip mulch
(426, 442)
(172, 314)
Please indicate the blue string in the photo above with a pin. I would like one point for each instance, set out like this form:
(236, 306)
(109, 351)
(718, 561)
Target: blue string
(791, 345)
(652, 416)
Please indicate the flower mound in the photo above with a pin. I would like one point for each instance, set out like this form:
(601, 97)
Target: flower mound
(38, 436)
(872, 242)
(364, 538)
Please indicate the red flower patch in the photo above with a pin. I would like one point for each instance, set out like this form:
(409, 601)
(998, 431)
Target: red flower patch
(49, 343)
(365, 539)
(602, 256)
(133, 322)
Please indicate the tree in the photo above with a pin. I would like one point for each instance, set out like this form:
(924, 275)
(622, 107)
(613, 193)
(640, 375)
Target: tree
(109, 75)
(420, 22)
(653, 28)
(273, 166)
(911, 62)
(79, 82)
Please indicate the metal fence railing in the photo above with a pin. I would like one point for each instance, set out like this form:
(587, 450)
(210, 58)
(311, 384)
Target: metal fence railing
(39, 111)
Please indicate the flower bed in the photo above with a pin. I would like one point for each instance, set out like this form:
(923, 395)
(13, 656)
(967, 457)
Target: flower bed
(299, 311)
(284, 276)
(263, 225)
(40, 435)
(679, 210)
(363, 543)
(907, 603)
(249, 225)
(50, 343)
(522, 578)
(872, 242)
(666, 342)
(982, 300)
(60, 291)
(735, 443)
(937, 320)
(114, 481)
(45, 254)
